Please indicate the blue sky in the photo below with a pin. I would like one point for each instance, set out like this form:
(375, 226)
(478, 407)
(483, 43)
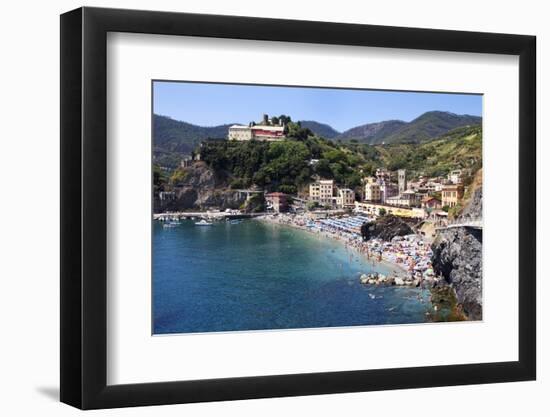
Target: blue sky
(207, 104)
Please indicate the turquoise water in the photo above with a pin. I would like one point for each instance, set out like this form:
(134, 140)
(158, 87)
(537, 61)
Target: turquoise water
(256, 276)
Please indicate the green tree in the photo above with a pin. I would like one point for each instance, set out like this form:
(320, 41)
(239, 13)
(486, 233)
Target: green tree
(322, 169)
(312, 205)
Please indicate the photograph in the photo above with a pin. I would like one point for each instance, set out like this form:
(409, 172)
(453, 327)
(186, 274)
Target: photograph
(298, 207)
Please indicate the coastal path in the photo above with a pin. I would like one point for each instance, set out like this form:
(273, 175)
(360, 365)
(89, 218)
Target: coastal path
(476, 223)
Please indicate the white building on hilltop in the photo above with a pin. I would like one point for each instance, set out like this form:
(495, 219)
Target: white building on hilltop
(264, 131)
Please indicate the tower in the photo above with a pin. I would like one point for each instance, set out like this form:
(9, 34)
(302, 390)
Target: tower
(402, 180)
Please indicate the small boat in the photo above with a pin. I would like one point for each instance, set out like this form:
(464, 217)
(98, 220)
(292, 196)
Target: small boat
(235, 221)
(203, 223)
(169, 225)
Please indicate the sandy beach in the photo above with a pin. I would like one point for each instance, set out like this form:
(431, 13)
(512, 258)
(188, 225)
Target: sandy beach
(408, 258)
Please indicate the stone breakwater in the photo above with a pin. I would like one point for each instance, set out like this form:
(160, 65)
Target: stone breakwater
(408, 280)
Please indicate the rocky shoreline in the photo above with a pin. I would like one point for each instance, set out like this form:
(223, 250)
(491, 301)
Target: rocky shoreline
(458, 257)
(399, 280)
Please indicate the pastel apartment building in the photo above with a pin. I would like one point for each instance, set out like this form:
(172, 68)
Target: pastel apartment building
(451, 194)
(372, 189)
(322, 192)
(326, 193)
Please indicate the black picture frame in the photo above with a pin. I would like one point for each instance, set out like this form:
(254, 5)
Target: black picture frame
(84, 207)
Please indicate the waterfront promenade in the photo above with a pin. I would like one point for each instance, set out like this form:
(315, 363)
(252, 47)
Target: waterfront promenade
(214, 215)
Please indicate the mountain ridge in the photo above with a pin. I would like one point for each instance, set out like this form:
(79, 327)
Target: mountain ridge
(178, 137)
(321, 129)
(428, 125)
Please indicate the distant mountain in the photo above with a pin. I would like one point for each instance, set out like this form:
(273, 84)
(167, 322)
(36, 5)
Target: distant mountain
(320, 129)
(373, 133)
(174, 136)
(425, 127)
(431, 125)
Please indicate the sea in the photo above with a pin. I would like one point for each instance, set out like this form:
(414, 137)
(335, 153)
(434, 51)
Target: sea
(261, 276)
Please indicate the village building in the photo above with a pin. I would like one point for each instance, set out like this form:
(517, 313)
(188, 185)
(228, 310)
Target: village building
(387, 190)
(322, 192)
(455, 176)
(345, 198)
(372, 189)
(415, 185)
(375, 209)
(382, 175)
(433, 186)
(451, 194)
(277, 202)
(264, 131)
(406, 199)
(431, 203)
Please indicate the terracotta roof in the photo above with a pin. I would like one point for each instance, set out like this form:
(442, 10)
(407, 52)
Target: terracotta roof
(429, 198)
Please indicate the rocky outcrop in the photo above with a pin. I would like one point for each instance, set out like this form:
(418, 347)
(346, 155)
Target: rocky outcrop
(457, 256)
(474, 209)
(386, 228)
(200, 189)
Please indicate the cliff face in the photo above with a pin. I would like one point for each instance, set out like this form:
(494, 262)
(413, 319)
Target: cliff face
(200, 189)
(457, 256)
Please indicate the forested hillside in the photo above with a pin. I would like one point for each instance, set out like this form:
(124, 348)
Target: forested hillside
(290, 165)
(173, 138)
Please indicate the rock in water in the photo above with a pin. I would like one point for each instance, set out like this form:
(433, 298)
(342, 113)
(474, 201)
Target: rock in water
(457, 256)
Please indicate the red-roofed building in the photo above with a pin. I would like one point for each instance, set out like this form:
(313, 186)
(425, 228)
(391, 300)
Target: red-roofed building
(277, 202)
(430, 202)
